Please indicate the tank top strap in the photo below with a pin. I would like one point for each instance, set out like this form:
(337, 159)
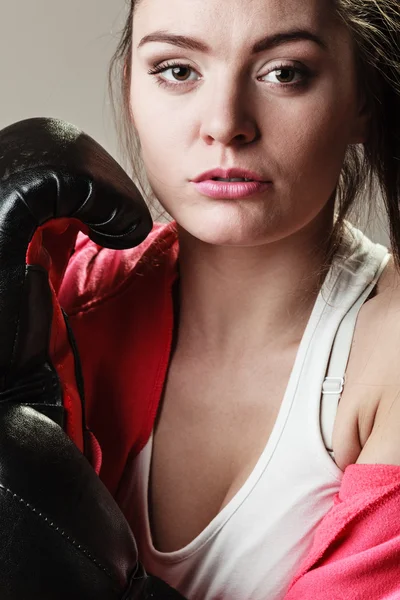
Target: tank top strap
(364, 266)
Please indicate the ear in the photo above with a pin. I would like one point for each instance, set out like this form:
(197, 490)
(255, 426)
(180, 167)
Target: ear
(361, 124)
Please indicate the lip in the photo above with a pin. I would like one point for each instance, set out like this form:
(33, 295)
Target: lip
(238, 190)
(234, 190)
(229, 174)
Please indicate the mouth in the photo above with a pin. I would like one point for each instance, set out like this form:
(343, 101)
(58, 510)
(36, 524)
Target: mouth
(229, 176)
(231, 180)
(231, 189)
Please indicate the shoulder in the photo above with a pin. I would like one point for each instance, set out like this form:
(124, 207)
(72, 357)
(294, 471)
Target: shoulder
(95, 273)
(379, 332)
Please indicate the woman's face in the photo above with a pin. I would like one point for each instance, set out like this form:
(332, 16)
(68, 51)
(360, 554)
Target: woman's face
(268, 86)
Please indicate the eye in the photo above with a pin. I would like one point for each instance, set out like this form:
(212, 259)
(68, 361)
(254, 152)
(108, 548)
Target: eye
(177, 73)
(286, 75)
(174, 74)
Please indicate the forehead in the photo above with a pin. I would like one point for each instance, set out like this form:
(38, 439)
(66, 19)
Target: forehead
(231, 19)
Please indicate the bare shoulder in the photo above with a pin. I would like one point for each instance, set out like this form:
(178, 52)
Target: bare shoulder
(365, 426)
(378, 372)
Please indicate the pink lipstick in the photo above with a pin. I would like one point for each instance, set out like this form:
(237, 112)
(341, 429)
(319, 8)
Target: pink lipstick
(230, 184)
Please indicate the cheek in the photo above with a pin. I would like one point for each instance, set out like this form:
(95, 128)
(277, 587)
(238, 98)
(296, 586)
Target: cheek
(162, 135)
(166, 149)
(312, 133)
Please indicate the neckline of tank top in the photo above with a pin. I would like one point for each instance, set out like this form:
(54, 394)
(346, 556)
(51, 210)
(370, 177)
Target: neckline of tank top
(346, 258)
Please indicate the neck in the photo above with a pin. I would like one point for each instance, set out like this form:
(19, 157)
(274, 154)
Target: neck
(242, 300)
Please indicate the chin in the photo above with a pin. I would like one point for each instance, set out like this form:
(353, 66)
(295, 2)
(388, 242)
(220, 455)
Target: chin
(223, 227)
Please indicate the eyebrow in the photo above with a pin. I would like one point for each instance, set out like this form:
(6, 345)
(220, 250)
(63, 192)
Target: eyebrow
(267, 43)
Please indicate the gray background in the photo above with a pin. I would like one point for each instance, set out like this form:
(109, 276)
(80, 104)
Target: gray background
(54, 61)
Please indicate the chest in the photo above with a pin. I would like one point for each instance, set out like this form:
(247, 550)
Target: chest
(210, 432)
(213, 425)
(207, 439)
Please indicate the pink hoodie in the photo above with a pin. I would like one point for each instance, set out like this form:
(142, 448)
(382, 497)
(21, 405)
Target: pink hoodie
(356, 549)
(120, 310)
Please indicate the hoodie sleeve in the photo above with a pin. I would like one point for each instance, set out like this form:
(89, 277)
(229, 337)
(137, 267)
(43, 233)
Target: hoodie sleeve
(119, 304)
(356, 549)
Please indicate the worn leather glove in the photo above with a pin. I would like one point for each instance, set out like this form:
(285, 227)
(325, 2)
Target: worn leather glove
(63, 535)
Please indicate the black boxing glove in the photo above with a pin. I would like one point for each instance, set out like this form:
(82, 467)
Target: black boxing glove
(63, 535)
(51, 170)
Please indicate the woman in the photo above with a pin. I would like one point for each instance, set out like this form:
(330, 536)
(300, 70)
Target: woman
(252, 119)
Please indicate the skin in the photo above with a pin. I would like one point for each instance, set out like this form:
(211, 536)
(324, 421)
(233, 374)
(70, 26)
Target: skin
(250, 270)
(253, 262)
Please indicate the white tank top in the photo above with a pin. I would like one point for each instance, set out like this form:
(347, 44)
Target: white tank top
(253, 547)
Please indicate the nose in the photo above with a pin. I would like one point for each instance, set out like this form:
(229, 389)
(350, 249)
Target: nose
(226, 118)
